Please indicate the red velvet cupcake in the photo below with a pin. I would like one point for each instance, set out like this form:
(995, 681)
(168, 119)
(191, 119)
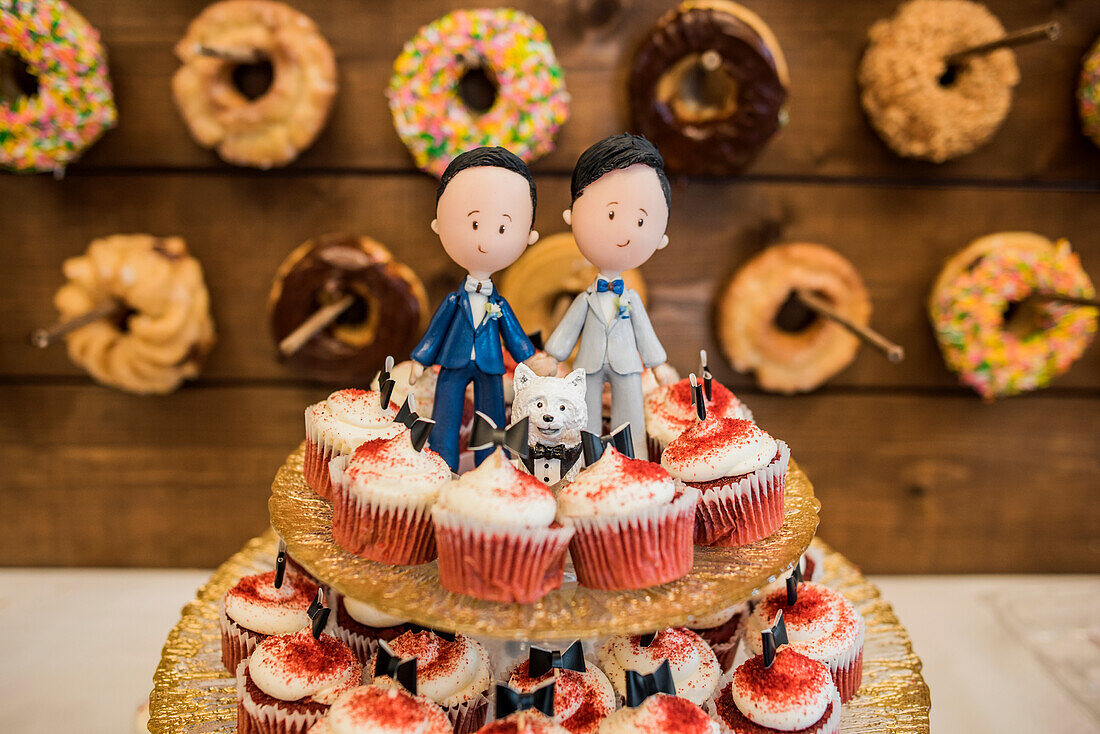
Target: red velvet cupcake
(498, 536)
(741, 473)
(253, 610)
(340, 424)
(581, 700)
(289, 682)
(383, 710)
(361, 626)
(633, 526)
(669, 411)
(527, 721)
(660, 714)
(723, 631)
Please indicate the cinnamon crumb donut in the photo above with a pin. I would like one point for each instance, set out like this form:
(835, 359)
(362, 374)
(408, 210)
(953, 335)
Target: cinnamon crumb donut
(274, 128)
(918, 105)
(166, 331)
(752, 317)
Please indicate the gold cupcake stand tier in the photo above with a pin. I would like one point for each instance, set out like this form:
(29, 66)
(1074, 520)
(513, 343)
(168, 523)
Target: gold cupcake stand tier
(721, 577)
(193, 693)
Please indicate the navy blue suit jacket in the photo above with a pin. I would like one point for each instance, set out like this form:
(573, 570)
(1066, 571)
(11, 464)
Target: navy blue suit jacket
(451, 336)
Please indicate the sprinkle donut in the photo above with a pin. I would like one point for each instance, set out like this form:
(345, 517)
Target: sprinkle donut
(918, 105)
(752, 323)
(167, 331)
(1088, 93)
(999, 356)
(512, 50)
(274, 128)
(73, 105)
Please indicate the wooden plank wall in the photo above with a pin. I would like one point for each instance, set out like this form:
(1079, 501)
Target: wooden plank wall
(915, 473)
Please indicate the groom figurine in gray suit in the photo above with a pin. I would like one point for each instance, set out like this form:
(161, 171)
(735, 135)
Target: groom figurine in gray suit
(618, 215)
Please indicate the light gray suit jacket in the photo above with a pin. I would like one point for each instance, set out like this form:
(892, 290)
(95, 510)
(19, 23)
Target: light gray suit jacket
(626, 345)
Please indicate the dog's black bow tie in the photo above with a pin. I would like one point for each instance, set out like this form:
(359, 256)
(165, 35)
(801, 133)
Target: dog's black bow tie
(539, 451)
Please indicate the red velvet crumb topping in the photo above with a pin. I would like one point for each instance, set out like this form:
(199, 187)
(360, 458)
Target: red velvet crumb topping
(792, 679)
(813, 601)
(250, 589)
(371, 704)
(435, 657)
(675, 715)
(677, 644)
(712, 435)
(310, 658)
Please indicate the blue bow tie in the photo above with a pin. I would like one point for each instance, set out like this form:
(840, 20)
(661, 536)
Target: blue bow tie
(616, 286)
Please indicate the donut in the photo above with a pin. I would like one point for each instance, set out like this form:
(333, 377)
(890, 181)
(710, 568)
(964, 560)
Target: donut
(388, 316)
(764, 329)
(920, 107)
(997, 354)
(522, 102)
(709, 87)
(165, 330)
(543, 282)
(1088, 93)
(272, 129)
(63, 101)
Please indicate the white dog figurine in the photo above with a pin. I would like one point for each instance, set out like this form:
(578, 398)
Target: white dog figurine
(556, 411)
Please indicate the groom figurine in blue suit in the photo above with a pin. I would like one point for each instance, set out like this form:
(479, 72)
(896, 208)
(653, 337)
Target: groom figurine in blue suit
(485, 215)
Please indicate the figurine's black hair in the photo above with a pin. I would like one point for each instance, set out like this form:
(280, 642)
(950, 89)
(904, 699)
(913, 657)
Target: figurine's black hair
(615, 152)
(497, 157)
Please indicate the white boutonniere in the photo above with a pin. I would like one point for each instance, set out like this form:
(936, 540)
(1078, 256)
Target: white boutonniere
(492, 310)
(624, 307)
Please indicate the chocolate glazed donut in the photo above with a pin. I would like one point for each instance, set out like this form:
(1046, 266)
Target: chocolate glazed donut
(388, 315)
(708, 87)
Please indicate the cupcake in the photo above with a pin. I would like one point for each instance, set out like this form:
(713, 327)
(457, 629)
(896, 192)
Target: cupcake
(812, 565)
(382, 497)
(740, 472)
(821, 625)
(669, 411)
(253, 610)
(695, 669)
(340, 424)
(581, 698)
(455, 674)
(497, 534)
(795, 694)
(524, 722)
(361, 626)
(289, 682)
(660, 714)
(723, 631)
(633, 525)
(383, 710)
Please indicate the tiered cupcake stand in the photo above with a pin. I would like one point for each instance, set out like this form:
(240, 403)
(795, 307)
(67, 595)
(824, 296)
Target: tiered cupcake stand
(192, 692)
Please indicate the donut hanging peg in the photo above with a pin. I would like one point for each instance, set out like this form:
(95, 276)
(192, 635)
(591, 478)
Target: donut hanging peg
(340, 304)
(1011, 311)
(55, 93)
(709, 87)
(135, 313)
(475, 78)
(937, 77)
(1088, 94)
(257, 82)
(794, 315)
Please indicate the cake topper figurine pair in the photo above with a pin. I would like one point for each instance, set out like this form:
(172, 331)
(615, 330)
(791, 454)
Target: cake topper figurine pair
(485, 220)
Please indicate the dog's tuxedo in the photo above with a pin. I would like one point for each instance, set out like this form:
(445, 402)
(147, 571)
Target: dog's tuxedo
(550, 463)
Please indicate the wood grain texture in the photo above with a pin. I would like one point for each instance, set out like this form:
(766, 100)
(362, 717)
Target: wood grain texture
(99, 478)
(827, 136)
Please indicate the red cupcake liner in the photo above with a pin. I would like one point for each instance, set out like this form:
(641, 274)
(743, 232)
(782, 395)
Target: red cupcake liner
(745, 511)
(238, 642)
(496, 563)
(849, 678)
(653, 547)
(399, 536)
(467, 718)
(315, 469)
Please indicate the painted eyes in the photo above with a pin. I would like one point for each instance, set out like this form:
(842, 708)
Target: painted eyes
(538, 404)
(501, 230)
(611, 214)
(561, 408)
(640, 222)
(474, 225)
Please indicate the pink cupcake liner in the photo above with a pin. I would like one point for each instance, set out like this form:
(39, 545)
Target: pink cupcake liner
(498, 563)
(264, 718)
(315, 468)
(238, 643)
(631, 552)
(745, 511)
(400, 535)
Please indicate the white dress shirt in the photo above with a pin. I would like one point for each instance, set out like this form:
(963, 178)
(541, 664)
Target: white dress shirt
(478, 301)
(607, 301)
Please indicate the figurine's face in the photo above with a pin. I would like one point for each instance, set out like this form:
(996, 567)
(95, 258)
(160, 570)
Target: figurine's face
(619, 220)
(483, 219)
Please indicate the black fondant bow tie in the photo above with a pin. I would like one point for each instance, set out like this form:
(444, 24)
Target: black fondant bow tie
(389, 664)
(406, 414)
(697, 398)
(448, 636)
(486, 435)
(509, 700)
(419, 428)
(318, 614)
(771, 639)
(594, 445)
(640, 687)
(280, 564)
(792, 584)
(540, 662)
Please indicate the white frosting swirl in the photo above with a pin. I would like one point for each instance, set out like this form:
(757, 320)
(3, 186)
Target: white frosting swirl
(448, 673)
(660, 714)
(388, 470)
(383, 710)
(805, 689)
(695, 669)
(717, 448)
(366, 614)
(348, 418)
(616, 485)
(822, 624)
(498, 493)
(255, 604)
(295, 667)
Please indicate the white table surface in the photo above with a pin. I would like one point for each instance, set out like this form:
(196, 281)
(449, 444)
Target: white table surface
(78, 647)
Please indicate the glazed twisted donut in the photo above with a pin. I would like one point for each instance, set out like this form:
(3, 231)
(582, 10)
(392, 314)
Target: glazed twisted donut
(170, 331)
